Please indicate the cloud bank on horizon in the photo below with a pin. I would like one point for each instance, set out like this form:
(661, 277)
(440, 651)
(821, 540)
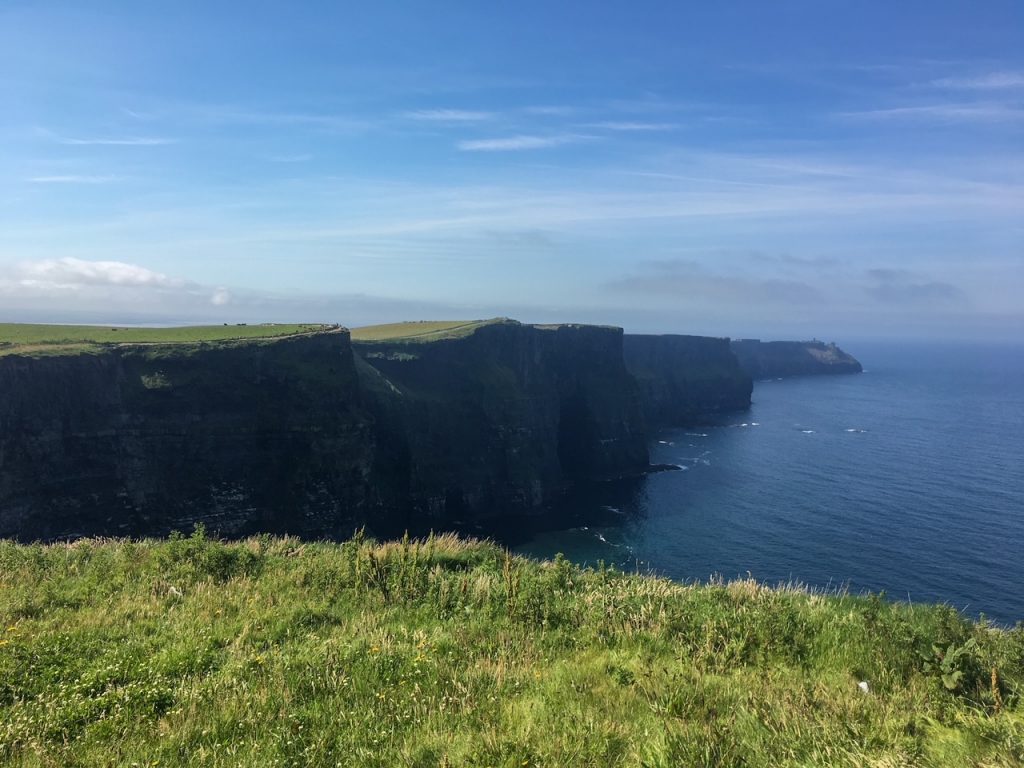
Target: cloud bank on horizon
(778, 169)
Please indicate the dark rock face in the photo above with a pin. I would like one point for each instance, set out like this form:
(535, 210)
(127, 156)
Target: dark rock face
(501, 419)
(685, 380)
(314, 435)
(301, 435)
(144, 440)
(775, 359)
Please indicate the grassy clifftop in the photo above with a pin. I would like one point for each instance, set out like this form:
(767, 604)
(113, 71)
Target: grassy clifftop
(421, 330)
(34, 340)
(445, 652)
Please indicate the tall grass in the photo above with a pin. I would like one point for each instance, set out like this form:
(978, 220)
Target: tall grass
(275, 652)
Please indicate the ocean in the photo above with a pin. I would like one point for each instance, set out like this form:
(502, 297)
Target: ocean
(906, 479)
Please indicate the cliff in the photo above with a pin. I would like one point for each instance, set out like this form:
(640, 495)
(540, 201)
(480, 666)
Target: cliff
(143, 439)
(685, 380)
(500, 416)
(299, 434)
(776, 359)
(303, 429)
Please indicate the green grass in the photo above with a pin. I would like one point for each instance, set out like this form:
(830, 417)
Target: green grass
(28, 339)
(274, 652)
(422, 330)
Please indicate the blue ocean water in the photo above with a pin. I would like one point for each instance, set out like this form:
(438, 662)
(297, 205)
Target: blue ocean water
(907, 478)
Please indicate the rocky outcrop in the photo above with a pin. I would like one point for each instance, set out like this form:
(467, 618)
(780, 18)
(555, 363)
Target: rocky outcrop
(686, 380)
(777, 359)
(503, 418)
(146, 439)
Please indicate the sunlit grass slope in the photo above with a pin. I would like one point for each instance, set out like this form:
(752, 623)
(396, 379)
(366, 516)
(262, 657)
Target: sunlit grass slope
(422, 330)
(272, 652)
(23, 338)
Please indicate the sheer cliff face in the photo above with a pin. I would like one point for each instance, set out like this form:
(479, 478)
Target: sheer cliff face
(685, 380)
(775, 359)
(503, 418)
(147, 439)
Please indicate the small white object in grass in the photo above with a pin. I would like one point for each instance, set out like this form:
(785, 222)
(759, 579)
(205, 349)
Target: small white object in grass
(174, 592)
(863, 685)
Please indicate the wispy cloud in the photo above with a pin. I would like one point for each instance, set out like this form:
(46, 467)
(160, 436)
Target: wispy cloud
(899, 286)
(133, 113)
(226, 114)
(553, 110)
(987, 82)
(121, 141)
(631, 126)
(72, 179)
(684, 279)
(517, 143)
(963, 112)
(449, 115)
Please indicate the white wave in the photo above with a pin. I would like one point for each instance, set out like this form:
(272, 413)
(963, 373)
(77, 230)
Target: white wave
(807, 431)
(696, 434)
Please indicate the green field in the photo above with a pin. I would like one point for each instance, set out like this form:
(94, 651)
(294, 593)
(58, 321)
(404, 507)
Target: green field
(275, 652)
(37, 339)
(421, 330)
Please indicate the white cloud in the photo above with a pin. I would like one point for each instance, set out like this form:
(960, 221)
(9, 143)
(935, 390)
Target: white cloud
(515, 143)
(449, 115)
(72, 179)
(70, 273)
(986, 82)
(112, 289)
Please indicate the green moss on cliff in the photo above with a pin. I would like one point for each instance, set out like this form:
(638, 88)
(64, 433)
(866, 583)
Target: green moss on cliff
(446, 652)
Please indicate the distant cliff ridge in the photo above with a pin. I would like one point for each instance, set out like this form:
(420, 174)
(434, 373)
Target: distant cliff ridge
(685, 380)
(775, 359)
(313, 431)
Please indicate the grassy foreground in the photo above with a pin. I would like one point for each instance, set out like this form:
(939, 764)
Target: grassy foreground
(273, 652)
(38, 339)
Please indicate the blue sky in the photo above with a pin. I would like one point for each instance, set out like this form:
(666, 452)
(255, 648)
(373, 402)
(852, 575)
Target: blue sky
(774, 169)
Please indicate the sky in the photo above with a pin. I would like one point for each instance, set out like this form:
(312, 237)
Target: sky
(789, 169)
